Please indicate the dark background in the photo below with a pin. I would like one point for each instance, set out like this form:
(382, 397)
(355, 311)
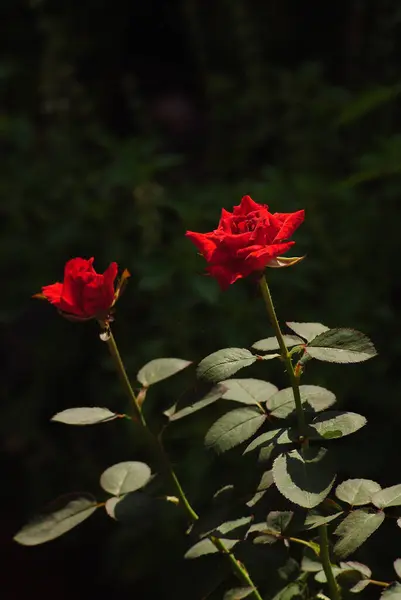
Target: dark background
(123, 125)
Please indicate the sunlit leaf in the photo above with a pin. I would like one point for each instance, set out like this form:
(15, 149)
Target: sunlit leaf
(271, 343)
(222, 364)
(133, 508)
(335, 424)
(160, 368)
(290, 591)
(310, 561)
(266, 438)
(341, 346)
(357, 492)
(71, 511)
(393, 592)
(125, 477)
(233, 428)
(355, 529)
(248, 391)
(206, 546)
(397, 567)
(390, 496)
(308, 331)
(281, 404)
(212, 396)
(313, 520)
(84, 415)
(238, 593)
(304, 476)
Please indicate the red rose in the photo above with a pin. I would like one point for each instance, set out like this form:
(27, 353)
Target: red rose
(84, 293)
(247, 240)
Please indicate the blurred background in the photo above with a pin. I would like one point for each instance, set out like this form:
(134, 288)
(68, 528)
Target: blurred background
(123, 125)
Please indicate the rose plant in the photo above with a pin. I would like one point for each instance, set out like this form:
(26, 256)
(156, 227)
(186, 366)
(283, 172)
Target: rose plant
(285, 438)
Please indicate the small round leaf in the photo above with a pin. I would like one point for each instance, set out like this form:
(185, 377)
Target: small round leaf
(125, 477)
(357, 492)
(160, 368)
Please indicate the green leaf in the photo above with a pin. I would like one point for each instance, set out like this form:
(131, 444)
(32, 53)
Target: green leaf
(290, 591)
(341, 346)
(268, 437)
(310, 562)
(304, 476)
(390, 496)
(393, 592)
(238, 593)
(133, 508)
(282, 403)
(397, 567)
(125, 477)
(271, 343)
(355, 529)
(357, 492)
(313, 520)
(224, 363)
(160, 368)
(212, 396)
(308, 331)
(278, 521)
(84, 415)
(335, 424)
(248, 391)
(207, 547)
(321, 575)
(234, 529)
(73, 510)
(266, 481)
(357, 566)
(233, 428)
(262, 535)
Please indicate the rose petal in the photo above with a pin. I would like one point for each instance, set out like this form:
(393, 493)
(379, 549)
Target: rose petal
(52, 293)
(205, 242)
(289, 223)
(247, 205)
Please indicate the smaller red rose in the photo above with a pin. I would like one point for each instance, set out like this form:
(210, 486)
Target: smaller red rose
(247, 240)
(84, 294)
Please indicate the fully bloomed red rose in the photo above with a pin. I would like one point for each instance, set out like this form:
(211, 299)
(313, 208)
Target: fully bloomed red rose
(84, 293)
(247, 240)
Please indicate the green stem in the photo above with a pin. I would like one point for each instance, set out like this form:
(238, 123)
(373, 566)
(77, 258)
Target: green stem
(239, 569)
(284, 354)
(115, 354)
(325, 558)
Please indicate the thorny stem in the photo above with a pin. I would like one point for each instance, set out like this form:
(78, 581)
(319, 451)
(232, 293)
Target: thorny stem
(285, 355)
(325, 558)
(239, 569)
